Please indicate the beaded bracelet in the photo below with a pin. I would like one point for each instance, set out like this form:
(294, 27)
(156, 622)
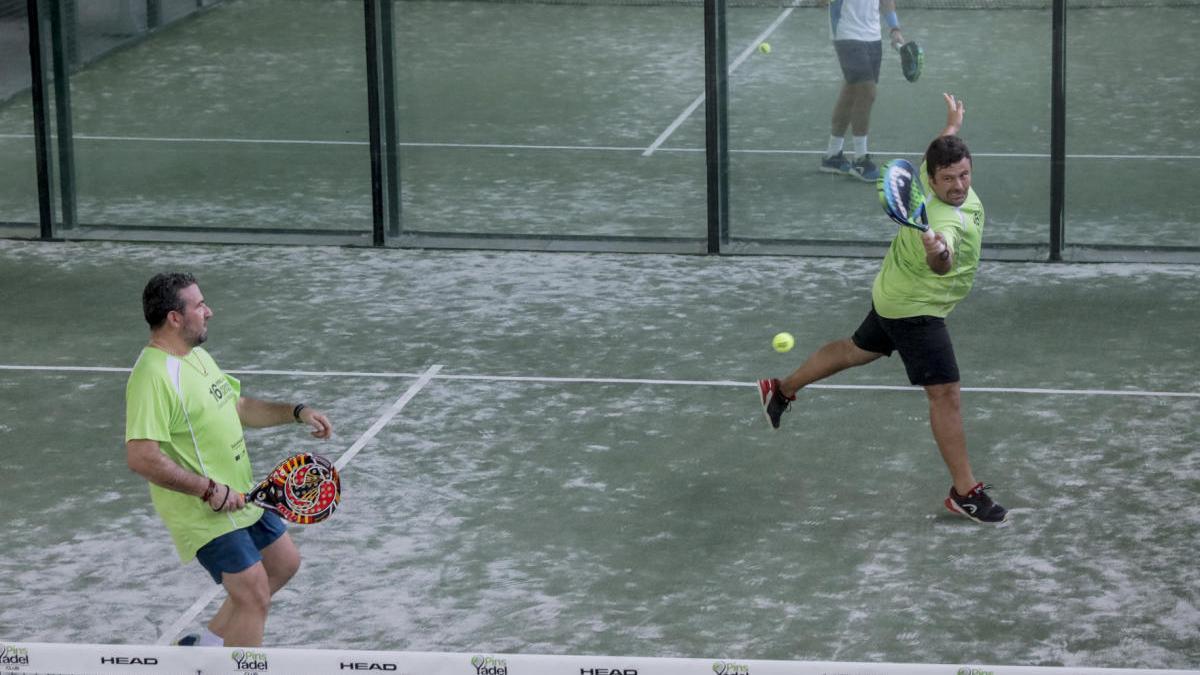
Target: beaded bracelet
(212, 487)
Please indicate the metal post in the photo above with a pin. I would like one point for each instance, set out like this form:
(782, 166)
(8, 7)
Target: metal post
(62, 115)
(716, 90)
(391, 129)
(41, 121)
(371, 32)
(1058, 131)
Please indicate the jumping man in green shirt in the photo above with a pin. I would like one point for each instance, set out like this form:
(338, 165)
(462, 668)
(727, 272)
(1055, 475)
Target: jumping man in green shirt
(922, 277)
(183, 433)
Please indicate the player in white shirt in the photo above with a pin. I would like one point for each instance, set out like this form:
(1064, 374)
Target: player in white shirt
(854, 26)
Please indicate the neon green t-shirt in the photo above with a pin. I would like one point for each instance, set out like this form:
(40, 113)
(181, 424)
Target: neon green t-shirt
(207, 439)
(905, 286)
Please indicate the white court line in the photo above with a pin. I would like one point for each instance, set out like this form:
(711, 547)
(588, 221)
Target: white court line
(69, 369)
(203, 601)
(1040, 391)
(170, 139)
(387, 417)
(687, 112)
(588, 148)
(198, 606)
(293, 141)
(851, 387)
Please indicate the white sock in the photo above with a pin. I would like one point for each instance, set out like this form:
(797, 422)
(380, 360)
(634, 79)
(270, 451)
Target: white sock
(860, 147)
(210, 639)
(835, 145)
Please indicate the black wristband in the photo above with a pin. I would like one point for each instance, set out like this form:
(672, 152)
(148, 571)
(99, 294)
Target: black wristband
(223, 500)
(296, 412)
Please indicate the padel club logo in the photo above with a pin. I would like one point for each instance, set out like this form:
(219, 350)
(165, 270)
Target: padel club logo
(730, 668)
(489, 665)
(13, 656)
(247, 661)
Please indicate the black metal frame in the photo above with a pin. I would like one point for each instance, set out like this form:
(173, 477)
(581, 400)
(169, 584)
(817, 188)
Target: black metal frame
(68, 216)
(1058, 129)
(391, 132)
(387, 224)
(378, 201)
(41, 121)
(716, 127)
(381, 112)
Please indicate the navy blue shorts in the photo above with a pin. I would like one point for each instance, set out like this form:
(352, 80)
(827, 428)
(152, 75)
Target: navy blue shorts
(860, 60)
(923, 343)
(237, 551)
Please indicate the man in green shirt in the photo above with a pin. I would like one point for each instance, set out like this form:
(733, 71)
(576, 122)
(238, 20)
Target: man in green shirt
(183, 433)
(923, 276)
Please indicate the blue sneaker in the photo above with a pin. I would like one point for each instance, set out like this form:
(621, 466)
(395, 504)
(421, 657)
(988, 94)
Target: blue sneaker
(188, 640)
(864, 169)
(835, 164)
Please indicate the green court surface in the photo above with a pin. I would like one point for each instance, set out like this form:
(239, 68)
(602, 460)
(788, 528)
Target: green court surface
(588, 471)
(579, 120)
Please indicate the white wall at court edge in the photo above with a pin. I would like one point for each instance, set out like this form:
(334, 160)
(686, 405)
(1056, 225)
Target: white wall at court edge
(72, 659)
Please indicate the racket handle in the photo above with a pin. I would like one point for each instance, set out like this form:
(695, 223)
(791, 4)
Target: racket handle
(929, 235)
(926, 233)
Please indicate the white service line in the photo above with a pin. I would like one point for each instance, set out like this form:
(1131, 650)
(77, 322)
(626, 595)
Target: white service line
(185, 139)
(297, 141)
(67, 369)
(687, 112)
(206, 598)
(861, 387)
(590, 148)
(639, 381)
(387, 417)
(168, 635)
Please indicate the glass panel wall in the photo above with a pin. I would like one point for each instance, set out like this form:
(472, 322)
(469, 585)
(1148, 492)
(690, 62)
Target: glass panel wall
(783, 105)
(575, 124)
(247, 118)
(18, 189)
(541, 122)
(1133, 137)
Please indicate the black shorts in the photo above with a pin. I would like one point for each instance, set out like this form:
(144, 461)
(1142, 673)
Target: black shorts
(860, 60)
(923, 343)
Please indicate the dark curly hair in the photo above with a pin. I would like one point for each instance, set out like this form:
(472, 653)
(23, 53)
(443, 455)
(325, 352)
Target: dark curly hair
(161, 296)
(944, 151)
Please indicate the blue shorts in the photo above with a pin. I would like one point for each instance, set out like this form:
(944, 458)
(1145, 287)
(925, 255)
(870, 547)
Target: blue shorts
(237, 551)
(859, 60)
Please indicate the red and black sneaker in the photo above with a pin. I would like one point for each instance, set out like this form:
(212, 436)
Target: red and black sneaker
(977, 505)
(774, 403)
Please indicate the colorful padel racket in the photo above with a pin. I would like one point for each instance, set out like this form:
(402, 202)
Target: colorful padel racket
(304, 489)
(912, 60)
(900, 192)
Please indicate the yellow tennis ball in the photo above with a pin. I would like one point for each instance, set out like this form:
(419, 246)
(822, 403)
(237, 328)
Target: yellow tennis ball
(783, 342)
(764, 47)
